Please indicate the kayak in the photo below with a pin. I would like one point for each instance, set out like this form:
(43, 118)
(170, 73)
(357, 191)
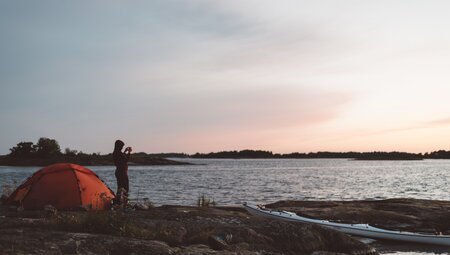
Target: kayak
(362, 230)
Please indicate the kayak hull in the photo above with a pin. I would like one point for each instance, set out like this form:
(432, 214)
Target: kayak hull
(362, 230)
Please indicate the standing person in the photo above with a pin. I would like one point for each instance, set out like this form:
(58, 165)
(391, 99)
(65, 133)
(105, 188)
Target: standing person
(121, 162)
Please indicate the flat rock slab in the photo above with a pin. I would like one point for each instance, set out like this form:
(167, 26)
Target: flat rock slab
(396, 214)
(167, 230)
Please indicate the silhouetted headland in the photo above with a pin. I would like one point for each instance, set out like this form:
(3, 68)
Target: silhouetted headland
(47, 152)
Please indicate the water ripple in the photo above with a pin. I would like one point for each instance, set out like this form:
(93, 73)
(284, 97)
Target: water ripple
(230, 182)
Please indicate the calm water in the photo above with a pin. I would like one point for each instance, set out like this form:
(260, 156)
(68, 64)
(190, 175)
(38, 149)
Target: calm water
(230, 182)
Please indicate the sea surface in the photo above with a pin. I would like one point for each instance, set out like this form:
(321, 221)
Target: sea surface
(233, 181)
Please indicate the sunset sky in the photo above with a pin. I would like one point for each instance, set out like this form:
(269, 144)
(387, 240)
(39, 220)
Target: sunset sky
(200, 76)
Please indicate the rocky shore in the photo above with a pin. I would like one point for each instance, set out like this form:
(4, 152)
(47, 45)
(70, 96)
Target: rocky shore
(210, 230)
(165, 230)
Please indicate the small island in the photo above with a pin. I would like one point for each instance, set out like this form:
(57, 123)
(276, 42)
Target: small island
(47, 151)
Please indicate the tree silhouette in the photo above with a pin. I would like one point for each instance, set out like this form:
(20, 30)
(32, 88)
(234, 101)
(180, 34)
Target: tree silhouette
(23, 149)
(47, 147)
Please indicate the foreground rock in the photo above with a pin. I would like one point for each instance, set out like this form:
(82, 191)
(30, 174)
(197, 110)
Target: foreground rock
(397, 214)
(166, 230)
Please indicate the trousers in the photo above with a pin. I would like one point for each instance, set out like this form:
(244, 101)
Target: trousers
(122, 181)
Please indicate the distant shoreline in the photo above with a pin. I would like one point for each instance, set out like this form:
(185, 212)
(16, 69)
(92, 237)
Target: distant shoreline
(376, 155)
(142, 158)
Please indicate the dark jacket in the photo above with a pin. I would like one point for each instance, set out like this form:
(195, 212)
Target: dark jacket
(121, 161)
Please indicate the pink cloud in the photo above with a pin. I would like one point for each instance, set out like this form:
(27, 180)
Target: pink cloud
(244, 119)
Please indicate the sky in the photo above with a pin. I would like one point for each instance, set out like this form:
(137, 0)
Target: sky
(207, 75)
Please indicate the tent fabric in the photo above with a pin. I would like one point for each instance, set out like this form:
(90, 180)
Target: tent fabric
(65, 186)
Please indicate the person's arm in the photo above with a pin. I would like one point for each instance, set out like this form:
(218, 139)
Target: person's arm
(127, 153)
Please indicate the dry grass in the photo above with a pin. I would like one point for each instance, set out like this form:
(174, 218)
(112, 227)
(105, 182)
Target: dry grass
(118, 224)
(111, 223)
(7, 190)
(203, 201)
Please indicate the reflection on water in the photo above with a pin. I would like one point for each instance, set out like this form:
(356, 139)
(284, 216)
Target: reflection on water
(231, 182)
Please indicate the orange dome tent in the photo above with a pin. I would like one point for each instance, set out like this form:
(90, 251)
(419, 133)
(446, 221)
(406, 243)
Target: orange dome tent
(65, 186)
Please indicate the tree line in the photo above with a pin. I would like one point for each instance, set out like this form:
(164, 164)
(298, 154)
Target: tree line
(375, 155)
(49, 150)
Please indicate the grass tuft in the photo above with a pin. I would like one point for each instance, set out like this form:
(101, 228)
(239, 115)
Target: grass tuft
(111, 223)
(7, 190)
(203, 201)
